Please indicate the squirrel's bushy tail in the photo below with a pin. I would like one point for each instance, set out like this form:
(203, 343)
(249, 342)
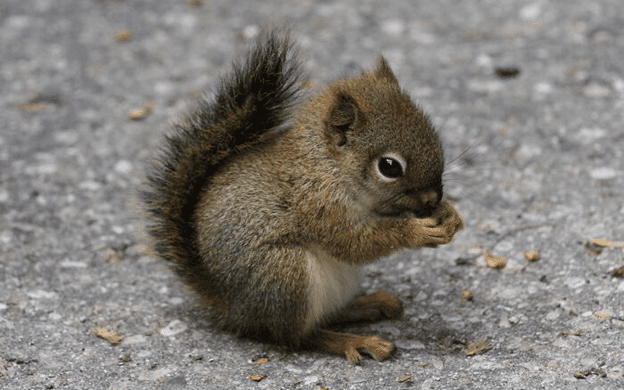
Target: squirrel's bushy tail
(249, 102)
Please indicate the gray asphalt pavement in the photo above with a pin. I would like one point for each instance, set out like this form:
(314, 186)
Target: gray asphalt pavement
(527, 95)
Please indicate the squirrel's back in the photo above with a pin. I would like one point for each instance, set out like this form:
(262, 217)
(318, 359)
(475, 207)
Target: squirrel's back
(249, 104)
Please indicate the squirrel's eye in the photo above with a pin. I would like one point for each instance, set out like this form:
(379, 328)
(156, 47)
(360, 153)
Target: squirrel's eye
(390, 168)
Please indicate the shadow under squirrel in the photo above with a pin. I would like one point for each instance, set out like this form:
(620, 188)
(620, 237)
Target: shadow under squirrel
(268, 209)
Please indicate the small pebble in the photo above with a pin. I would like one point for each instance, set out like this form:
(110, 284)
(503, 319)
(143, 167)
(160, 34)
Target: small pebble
(123, 35)
(467, 295)
(531, 255)
(495, 261)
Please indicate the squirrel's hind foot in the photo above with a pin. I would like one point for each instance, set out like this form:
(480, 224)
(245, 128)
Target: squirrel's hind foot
(350, 345)
(376, 306)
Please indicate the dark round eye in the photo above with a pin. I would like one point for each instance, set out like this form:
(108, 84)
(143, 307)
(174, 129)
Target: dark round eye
(390, 168)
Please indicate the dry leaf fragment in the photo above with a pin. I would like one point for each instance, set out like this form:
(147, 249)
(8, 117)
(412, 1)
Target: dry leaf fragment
(606, 243)
(111, 336)
(262, 360)
(495, 261)
(580, 375)
(603, 314)
(28, 107)
(137, 115)
(142, 112)
(477, 347)
(256, 377)
(404, 378)
(531, 255)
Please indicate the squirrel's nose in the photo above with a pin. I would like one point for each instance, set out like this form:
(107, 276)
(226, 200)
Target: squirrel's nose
(423, 203)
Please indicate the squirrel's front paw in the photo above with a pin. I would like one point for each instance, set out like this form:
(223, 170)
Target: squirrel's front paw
(440, 228)
(448, 216)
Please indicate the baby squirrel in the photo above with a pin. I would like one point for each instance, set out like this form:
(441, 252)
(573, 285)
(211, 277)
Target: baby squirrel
(268, 209)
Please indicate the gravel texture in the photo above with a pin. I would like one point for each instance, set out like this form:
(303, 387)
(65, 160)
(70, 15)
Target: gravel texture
(528, 97)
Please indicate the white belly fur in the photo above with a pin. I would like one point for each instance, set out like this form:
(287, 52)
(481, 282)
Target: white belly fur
(332, 284)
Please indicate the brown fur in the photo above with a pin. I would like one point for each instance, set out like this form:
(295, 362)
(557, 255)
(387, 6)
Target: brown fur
(270, 227)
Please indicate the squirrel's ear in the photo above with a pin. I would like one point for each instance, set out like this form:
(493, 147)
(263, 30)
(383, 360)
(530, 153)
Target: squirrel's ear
(344, 113)
(383, 71)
